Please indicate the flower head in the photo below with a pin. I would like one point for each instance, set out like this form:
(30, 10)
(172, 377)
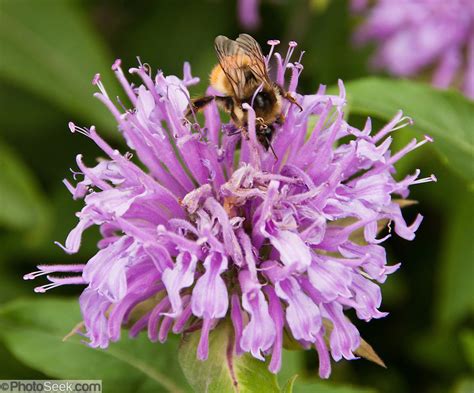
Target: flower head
(212, 226)
(416, 35)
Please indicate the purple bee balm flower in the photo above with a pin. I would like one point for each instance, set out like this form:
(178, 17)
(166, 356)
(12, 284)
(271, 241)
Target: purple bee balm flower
(212, 226)
(418, 35)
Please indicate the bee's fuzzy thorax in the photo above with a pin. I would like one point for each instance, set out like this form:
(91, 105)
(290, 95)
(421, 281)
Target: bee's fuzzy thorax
(219, 81)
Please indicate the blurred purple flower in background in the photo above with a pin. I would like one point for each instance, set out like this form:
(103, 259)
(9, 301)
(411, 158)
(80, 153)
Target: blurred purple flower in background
(418, 35)
(211, 226)
(248, 13)
(358, 5)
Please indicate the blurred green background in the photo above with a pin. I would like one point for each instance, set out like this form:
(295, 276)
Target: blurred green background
(49, 52)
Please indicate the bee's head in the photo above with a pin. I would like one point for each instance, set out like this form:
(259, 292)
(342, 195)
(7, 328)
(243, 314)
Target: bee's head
(265, 134)
(267, 105)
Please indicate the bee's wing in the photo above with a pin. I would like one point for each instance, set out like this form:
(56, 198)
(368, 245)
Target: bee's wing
(257, 61)
(231, 60)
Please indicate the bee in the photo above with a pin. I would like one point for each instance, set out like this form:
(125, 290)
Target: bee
(241, 76)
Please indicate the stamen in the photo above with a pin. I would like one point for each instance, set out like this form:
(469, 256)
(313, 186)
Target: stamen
(298, 66)
(96, 79)
(398, 121)
(272, 43)
(60, 281)
(121, 104)
(404, 121)
(431, 178)
(301, 57)
(33, 275)
(426, 139)
(292, 45)
(48, 269)
(408, 148)
(81, 130)
(116, 65)
(46, 287)
(97, 82)
(144, 66)
(75, 173)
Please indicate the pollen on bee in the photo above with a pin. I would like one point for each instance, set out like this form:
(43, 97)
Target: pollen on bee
(215, 74)
(219, 81)
(218, 78)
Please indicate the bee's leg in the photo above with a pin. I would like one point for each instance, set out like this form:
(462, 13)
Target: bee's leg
(260, 123)
(265, 138)
(286, 95)
(244, 132)
(234, 132)
(292, 100)
(280, 119)
(226, 103)
(198, 104)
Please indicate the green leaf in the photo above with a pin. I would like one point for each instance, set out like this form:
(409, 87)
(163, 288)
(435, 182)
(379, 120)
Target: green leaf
(299, 381)
(467, 340)
(223, 371)
(437, 350)
(14, 369)
(33, 331)
(319, 5)
(465, 385)
(49, 48)
(292, 364)
(290, 385)
(455, 299)
(23, 207)
(447, 116)
(326, 39)
(162, 17)
(326, 387)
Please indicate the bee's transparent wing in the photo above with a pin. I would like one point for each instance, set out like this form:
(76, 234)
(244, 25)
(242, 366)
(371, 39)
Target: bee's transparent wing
(231, 60)
(257, 61)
